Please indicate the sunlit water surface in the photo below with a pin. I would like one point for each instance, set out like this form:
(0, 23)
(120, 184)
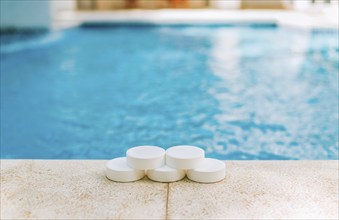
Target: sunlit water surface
(237, 92)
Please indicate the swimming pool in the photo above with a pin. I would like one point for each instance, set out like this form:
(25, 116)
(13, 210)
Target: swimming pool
(239, 92)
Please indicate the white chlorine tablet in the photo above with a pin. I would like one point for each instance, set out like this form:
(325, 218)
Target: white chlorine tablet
(184, 157)
(210, 171)
(166, 174)
(145, 157)
(117, 170)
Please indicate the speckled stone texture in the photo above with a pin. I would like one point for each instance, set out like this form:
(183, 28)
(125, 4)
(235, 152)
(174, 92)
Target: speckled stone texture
(261, 189)
(49, 189)
(73, 189)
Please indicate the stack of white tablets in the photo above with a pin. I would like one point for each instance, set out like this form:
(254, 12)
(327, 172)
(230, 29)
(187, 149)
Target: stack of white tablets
(165, 166)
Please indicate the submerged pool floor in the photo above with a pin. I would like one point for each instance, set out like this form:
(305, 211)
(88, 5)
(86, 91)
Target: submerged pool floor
(237, 92)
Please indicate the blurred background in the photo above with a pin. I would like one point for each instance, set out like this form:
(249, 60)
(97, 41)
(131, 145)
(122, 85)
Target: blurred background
(55, 13)
(243, 79)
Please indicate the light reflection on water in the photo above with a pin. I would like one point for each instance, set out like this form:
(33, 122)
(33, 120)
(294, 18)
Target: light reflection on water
(269, 100)
(238, 92)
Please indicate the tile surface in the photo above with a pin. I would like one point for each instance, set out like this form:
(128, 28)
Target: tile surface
(75, 190)
(261, 189)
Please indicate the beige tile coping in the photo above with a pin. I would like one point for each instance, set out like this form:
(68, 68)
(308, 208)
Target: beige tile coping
(78, 189)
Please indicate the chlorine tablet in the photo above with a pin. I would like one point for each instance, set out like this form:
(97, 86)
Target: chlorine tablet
(210, 171)
(145, 157)
(166, 174)
(117, 170)
(184, 157)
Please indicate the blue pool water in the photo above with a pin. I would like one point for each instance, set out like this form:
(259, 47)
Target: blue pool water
(238, 92)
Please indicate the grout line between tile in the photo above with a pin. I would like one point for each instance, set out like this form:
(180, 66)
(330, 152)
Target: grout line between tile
(167, 198)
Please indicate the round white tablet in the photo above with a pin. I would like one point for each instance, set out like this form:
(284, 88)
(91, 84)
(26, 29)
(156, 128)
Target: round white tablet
(117, 170)
(210, 171)
(166, 174)
(145, 157)
(184, 157)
